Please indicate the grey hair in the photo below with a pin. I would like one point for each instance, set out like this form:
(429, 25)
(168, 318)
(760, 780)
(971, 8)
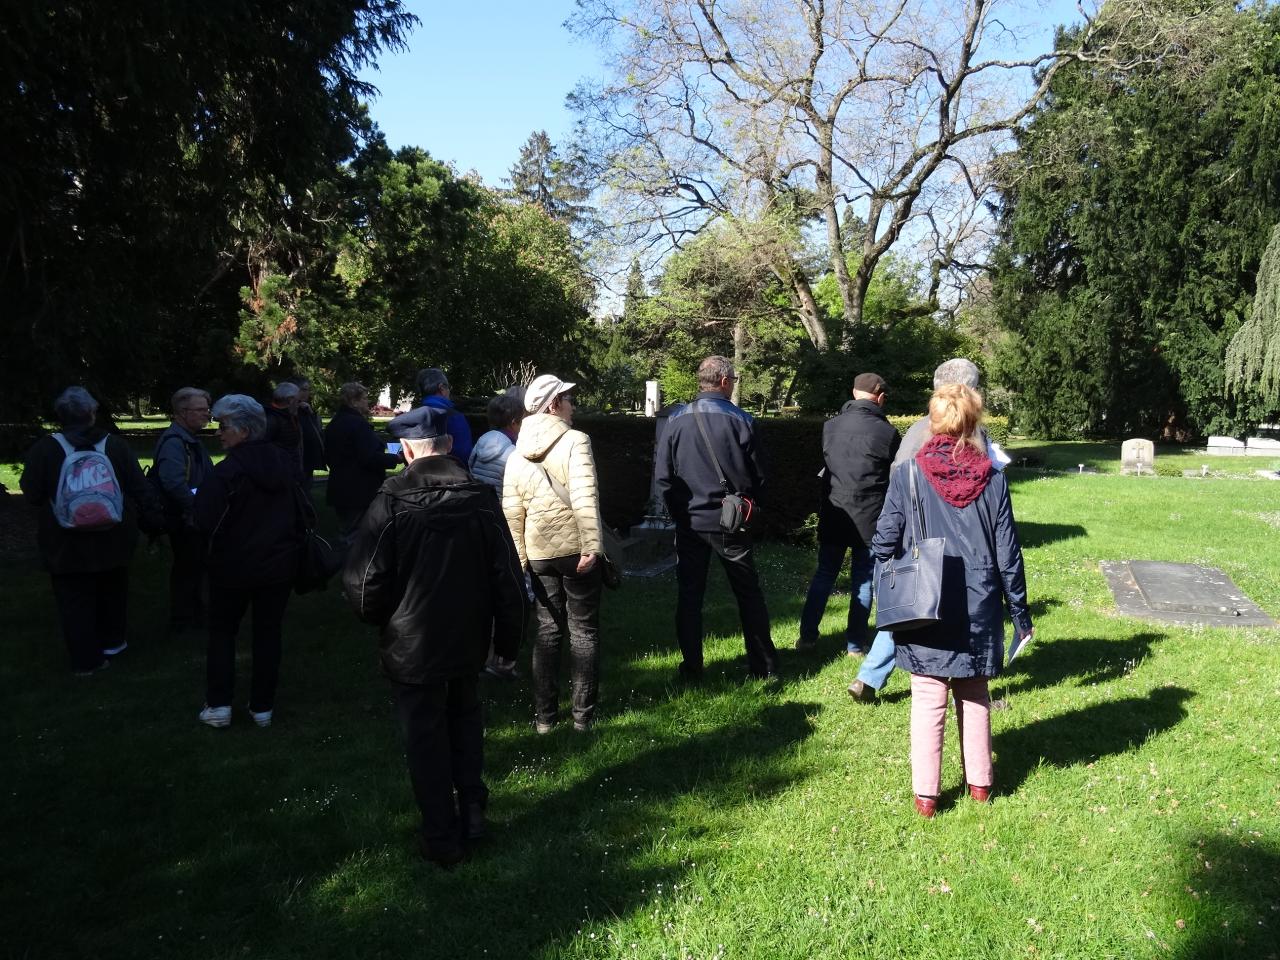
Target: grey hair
(243, 413)
(349, 393)
(431, 381)
(302, 383)
(958, 370)
(712, 370)
(284, 391)
(506, 408)
(181, 397)
(75, 407)
(429, 446)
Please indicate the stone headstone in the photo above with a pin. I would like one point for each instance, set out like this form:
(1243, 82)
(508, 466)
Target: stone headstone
(1262, 447)
(652, 398)
(1225, 447)
(1182, 593)
(1138, 456)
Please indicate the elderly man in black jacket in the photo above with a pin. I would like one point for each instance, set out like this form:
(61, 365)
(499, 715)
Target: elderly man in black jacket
(435, 568)
(858, 447)
(358, 460)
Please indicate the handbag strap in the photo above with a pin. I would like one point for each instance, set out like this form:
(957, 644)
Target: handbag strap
(706, 439)
(917, 508)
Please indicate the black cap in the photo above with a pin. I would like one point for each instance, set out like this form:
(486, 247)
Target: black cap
(420, 423)
(871, 383)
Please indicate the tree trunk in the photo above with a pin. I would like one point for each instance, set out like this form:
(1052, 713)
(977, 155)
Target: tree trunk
(739, 356)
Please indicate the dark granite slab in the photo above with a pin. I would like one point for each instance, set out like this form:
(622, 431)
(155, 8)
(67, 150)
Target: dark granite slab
(1181, 593)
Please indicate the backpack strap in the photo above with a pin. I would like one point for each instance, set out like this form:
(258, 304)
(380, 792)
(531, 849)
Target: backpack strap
(62, 442)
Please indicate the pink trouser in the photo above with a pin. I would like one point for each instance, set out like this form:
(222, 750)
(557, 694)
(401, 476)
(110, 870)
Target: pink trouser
(929, 720)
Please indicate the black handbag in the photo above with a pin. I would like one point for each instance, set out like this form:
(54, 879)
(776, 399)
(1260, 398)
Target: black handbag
(738, 514)
(909, 587)
(318, 559)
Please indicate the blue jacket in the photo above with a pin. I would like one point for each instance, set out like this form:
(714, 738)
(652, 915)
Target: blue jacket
(683, 470)
(456, 426)
(181, 465)
(982, 570)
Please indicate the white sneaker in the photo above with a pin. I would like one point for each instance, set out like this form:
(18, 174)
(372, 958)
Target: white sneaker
(216, 716)
(262, 719)
(113, 651)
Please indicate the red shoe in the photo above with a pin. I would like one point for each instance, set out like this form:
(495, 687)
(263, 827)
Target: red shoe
(926, 806)
(980, 794)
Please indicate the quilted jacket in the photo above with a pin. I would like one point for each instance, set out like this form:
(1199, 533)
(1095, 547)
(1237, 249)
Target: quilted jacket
(542, 525)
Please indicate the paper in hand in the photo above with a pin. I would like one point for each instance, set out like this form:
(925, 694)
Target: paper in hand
(1019, 644)
(999, 459)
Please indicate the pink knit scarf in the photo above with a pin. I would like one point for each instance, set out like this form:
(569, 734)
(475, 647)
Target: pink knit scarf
(958, 472)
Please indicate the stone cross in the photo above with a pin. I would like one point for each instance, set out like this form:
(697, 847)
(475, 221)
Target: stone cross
(1138, 456)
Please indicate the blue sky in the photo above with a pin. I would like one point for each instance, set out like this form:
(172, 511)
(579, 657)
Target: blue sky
(479, 77)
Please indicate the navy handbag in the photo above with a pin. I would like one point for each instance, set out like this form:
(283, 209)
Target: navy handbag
(909, 587)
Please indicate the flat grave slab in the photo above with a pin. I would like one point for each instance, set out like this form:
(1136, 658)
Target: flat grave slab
(1182, 593)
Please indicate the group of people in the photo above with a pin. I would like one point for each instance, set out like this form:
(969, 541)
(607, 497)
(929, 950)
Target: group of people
(446, 556)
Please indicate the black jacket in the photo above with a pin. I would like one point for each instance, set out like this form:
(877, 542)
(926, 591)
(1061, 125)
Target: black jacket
(434, 566)
(685, 474)
(72, 551)
(284, 429)
(312, 439)
(358, 460)
(250, 508)
(858, 447)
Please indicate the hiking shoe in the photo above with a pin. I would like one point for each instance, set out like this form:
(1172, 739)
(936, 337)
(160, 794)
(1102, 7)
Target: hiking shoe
(806, 644)
(474, 827)
(862, 692)
(216, 716)
(445, 857)
(543, 727)
(89, 673)
(116, 650)
(582, 726)
(261, 717)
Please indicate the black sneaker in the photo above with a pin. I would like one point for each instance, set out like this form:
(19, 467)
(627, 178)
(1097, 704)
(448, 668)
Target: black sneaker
(446, 858)
(474, 826)
(689, 673)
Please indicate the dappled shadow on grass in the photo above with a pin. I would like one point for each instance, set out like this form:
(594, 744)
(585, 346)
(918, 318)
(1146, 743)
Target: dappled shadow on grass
(1085, 735)
(1087, 660)
(556, 858)
(1233, 902)
(1032, 534)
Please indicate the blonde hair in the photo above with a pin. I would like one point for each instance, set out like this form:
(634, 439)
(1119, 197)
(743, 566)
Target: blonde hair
(955, 410)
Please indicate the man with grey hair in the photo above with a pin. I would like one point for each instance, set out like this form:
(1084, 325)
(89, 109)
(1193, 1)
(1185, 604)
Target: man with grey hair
(89, 569)
(180, 466)
(956, 370)
(434, 567)
(283, 427)
(433, 387)
(711, 444)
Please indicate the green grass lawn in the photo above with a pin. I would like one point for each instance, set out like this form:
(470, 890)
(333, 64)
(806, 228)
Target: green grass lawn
(1137, 769)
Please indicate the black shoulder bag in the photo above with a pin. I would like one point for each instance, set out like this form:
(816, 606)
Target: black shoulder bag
(738, 514)
(318, 560)
(909, 587)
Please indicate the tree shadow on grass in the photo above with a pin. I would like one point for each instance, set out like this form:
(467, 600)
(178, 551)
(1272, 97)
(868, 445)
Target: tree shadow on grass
(1086, 735)
(557, 859)
(1040, 534)
(1236, 910)
(1088, 660)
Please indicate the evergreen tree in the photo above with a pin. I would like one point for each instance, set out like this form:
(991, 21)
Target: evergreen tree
(542, 177)
(1253, 357)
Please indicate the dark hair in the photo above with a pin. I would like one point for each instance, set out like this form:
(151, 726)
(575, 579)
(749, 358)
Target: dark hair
(505, 409)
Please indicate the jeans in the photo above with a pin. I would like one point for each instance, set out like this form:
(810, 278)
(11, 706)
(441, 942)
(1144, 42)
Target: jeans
(929, 721)
(186, 578)
(567, 604)
(93, 609)
(880, 661)
(443, 729)
(693, 555)
(227, 606)
(830, 560)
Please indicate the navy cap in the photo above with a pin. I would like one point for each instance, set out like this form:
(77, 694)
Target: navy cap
(420, 423)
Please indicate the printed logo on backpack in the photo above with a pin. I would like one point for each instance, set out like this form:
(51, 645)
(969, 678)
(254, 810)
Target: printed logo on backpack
(88, 494)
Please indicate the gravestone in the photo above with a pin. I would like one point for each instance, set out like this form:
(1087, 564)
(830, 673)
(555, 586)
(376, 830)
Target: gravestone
(1225, 447)
(650, 549)
(1183, 593)
(652, 398)
(1262, 447)
(1138, 456)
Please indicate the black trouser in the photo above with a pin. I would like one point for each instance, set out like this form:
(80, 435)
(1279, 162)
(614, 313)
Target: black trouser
(349, 522)
(566, 604)
(444, 742)
(227, 606)
(693, 555)
(93, 609)
(186, 578)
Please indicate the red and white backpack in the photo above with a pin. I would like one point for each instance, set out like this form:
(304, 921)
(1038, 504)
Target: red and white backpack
(89, 495)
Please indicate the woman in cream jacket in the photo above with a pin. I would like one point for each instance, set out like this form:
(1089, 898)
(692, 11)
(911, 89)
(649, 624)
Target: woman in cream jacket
(552, 504)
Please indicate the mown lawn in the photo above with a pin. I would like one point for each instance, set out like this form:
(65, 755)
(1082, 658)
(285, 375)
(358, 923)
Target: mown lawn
(1138, 812)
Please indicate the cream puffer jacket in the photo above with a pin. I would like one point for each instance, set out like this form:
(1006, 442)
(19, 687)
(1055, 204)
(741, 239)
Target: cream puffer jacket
(542, 526)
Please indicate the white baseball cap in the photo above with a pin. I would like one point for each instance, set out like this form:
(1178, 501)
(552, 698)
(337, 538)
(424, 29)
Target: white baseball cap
(543, 391)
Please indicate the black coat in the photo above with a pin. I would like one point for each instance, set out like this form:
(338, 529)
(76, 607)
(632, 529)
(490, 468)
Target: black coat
(313, 457)
(433, 566)
(250, 509)
(684, 472)
(92, 551)
(284, 430)
(858, 447)
(982, 567)
(358, 460)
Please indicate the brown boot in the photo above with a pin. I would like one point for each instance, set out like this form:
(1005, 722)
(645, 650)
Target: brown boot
(862, 692)
(926, 806)
(980, 794)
